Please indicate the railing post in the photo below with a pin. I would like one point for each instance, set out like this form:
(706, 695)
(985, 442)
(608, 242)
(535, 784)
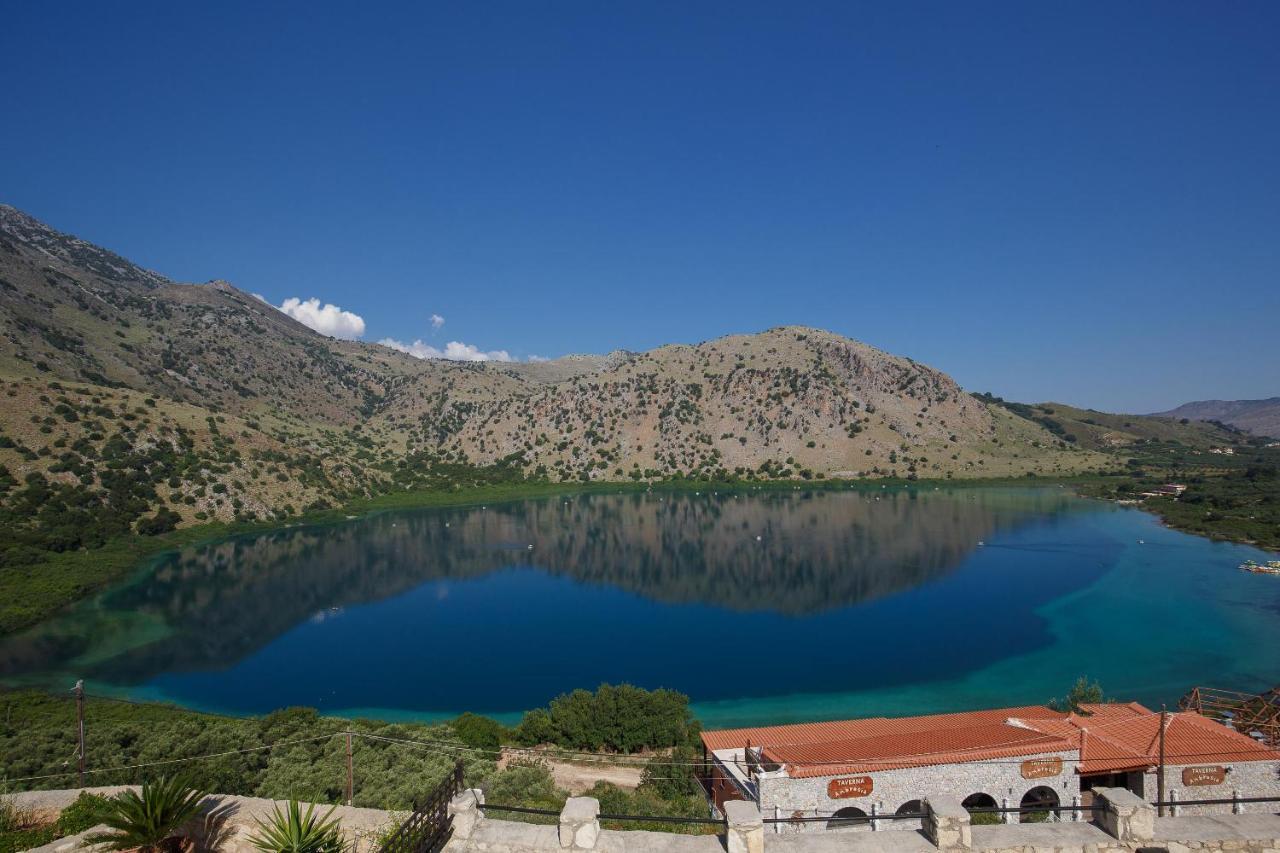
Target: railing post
(1005, 817)
(1124, 815)
(1075, 812)
(875, 813)
(466, 810)
(580, 823)
(744, 827)
(1237, 807)
(1175, 810)
(947, 824)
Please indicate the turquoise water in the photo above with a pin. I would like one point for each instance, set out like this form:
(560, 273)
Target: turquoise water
(762, 606)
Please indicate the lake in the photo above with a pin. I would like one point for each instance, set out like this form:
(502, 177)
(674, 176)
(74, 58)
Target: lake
(762, 605)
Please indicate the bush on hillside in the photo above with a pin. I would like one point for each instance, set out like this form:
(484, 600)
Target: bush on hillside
(619, 718)
(478, 731)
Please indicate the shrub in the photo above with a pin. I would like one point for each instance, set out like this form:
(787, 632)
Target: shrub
(535, 728)
(622, 718)
(84, 813)
(526, 782)
(477, 731)
(148, 821)
(291, 831)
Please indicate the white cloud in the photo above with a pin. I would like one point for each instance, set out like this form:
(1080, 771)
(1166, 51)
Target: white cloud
(454, 351)
(436, 321)
(536, 359)
(260, 298)
(327, 320)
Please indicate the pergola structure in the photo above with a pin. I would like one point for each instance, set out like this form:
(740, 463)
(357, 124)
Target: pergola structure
(1256, 715)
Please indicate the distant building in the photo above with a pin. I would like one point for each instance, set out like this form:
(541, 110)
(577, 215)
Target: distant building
(1027, 756)
(1223, 451)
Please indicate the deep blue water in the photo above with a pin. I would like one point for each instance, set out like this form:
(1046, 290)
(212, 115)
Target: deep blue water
(761, 606)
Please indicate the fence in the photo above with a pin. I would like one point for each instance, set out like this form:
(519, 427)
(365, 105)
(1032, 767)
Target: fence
(1121, 822)
(427, 828)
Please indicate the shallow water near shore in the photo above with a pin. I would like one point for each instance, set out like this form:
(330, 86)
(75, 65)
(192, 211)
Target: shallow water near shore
(763, 606)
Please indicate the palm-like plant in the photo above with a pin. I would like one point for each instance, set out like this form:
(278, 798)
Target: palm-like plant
(292, 831)
(149, 821)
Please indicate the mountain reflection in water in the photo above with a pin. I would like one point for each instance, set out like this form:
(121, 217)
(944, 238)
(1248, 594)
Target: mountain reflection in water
(797, 554)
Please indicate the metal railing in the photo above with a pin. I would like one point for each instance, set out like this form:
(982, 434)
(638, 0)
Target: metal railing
(858, 820)
(429, 825)
(1217, 801)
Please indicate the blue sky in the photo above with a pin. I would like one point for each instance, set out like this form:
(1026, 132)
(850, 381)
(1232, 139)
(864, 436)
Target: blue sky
(1066, 201)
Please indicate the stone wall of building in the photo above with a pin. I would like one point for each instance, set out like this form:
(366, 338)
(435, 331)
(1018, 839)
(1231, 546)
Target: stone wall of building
(1246, 778)
(1003, 781)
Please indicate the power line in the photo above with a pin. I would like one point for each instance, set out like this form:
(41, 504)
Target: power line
(175, 760)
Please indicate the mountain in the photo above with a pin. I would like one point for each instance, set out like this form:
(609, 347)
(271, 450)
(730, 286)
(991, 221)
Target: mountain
(1260, 417)
(220, 406)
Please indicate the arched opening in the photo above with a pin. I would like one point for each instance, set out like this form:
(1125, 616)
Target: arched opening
(909, 807)
(1045, 800)
(849, 817)
(981, 801)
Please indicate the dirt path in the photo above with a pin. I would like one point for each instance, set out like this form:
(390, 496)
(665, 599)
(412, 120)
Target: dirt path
(576, 778)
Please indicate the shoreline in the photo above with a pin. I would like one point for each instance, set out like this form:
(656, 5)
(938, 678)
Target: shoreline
(736, 710)
(47, 588)
(72, 577)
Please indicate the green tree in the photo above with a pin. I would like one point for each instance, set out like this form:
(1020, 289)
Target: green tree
(1083, 692)
(478, 731)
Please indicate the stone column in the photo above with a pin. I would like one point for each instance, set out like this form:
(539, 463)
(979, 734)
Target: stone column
(465, 811)
(1125, 816)
(579, 823)
(947, 824)
(745, 827)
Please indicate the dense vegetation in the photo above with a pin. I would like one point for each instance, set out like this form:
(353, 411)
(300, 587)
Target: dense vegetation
(295, 752)
(615, 719)
(1234, 496)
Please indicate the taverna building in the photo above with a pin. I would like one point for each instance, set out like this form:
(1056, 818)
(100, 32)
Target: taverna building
(856, 773)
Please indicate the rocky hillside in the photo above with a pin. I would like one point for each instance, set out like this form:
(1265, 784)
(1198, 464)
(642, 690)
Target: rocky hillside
(195, 402)
(1260, 417)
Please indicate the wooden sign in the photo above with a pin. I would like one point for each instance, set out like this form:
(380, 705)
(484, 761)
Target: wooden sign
(849, 787)
(1041, 768)
(1197, 776)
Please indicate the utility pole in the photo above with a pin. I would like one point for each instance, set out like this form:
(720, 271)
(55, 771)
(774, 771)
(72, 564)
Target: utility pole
(1164, 716)
(349, 770)
(79, 691)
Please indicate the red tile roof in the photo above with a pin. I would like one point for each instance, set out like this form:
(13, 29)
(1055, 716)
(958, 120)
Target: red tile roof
(1112, 738)
(836, 730)
(1116, 742)
(917, 748)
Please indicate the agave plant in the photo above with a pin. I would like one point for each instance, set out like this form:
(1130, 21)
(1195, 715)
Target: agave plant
(292, 831)
(149, 821)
